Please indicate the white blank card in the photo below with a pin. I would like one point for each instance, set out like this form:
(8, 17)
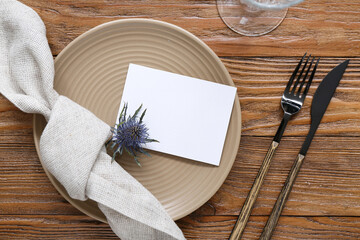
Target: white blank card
(188, 116)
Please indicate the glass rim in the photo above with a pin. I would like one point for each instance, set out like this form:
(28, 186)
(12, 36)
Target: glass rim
(273, 6)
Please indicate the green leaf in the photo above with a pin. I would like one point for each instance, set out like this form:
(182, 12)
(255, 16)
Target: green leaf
(127, 150)
(113, 145)
(137, 111)
(144, 152)
(142, 115)
(123, 112)
(118, 149)
(137, 161)
(113, 158)
(107, 142)
(133, 152)
(114, 155)
(121, 150)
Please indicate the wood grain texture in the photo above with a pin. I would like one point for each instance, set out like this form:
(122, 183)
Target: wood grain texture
(254, 192)
(282, 198)
(326, 186)
(31, 227)
(323, 27)
(328, 183)
(260, 83)
(219, 227)
(45, 227)
(325, 200)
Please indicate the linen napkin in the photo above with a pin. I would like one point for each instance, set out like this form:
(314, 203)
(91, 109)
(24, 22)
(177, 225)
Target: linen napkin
(72, 144)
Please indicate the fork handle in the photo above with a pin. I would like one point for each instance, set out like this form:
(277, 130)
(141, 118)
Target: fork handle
(251, 198)
(281, 129)
(283, 196)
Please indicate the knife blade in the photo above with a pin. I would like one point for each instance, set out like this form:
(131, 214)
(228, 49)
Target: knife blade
(321, 100)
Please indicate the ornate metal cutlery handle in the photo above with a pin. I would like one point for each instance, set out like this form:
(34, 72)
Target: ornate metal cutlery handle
(280, 202)
(252, 196)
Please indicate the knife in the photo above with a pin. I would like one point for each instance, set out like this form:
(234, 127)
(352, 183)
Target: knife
(321, 100)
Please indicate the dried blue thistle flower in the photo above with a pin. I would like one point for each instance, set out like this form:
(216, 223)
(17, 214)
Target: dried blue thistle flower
(130, 134)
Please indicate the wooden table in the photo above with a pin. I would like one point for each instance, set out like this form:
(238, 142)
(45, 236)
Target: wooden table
(325, 201)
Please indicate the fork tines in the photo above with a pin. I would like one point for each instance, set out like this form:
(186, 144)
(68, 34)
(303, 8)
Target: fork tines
(294, 88)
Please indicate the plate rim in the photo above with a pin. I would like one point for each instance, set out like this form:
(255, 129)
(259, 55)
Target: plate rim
(194, 38)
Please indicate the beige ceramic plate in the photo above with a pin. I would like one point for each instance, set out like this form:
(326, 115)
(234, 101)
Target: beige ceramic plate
(92, 70)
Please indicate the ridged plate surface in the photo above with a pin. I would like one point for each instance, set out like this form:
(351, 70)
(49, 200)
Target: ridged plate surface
(92, 70)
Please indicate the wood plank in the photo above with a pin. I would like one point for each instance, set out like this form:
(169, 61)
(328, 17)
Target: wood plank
(260, 83)
(325, 28)
(328, 183)
(194, 227)
(25, 188)
(325, 202)
(219, 227)
(55, 227)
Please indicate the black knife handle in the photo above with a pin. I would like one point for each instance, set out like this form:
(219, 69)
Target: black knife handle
(283, 196)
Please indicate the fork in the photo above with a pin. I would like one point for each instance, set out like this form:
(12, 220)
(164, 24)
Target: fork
(291, 102)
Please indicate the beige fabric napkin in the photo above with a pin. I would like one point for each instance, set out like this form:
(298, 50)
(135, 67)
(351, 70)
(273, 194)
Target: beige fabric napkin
(72, 144)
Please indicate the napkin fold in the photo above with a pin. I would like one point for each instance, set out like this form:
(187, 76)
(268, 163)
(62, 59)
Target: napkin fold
(72, 144)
